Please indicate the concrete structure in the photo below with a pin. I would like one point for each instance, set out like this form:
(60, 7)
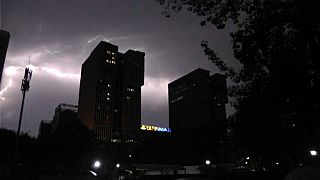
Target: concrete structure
(60, 109)
(110, 93)
(4, 41)
(45, 128)
(197, 100)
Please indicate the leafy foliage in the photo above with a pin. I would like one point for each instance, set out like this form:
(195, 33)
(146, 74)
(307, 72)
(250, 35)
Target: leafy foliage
(276, 91)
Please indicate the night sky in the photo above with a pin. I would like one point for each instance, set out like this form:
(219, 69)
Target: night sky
(59, 35)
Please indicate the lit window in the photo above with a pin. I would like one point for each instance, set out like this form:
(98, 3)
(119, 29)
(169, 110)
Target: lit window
(108, 94)
(112, 53)
(109, 85)
(108, 52)
(108, 99)
(113, 57)
(130, 89)
(128, 97)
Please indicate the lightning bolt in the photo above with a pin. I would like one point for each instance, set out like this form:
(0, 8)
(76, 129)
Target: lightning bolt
(5, 89)
(12, 70)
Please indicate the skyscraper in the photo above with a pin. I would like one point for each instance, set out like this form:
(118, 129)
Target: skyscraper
(4, 41)
(110, 93)
(197, 101)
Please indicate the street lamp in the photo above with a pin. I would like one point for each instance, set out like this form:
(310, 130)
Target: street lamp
(97, 164)
(208, 162)
(313, 153)
(117, 165)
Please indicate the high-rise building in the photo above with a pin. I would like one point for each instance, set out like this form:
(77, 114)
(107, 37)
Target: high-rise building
(197, 100)
(4, 41)
(110, 93)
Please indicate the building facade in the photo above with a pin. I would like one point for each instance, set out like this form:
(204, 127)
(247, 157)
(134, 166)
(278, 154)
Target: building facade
(60, 109)
(110, 93)
(197, 116)
(197, 100)
(4, 41)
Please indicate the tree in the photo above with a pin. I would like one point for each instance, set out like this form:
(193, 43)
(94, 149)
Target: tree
(276, 89)
(62, 150)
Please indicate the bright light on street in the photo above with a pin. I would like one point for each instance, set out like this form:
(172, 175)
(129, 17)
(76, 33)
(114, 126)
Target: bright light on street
(208, 162)
(97, 164)
(313, 153)
(117, 165)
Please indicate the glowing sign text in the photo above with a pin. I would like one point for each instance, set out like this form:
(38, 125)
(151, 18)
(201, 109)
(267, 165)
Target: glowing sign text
(154, 128)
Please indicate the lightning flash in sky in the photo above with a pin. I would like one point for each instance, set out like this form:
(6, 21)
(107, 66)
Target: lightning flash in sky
(13, 70)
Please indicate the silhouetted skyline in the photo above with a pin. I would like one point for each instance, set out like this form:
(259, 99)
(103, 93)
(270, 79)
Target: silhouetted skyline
(61, 37)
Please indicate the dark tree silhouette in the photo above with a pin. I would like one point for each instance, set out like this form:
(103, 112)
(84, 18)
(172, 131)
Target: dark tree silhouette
(62, 150)
(276, 89)
(25, 157)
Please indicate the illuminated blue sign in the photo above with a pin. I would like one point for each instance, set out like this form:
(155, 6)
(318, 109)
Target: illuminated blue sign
(154, 128)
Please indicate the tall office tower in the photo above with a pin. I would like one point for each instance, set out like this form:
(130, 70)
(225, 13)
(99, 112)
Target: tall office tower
(110, 93)
(197, 101)
(4, 41)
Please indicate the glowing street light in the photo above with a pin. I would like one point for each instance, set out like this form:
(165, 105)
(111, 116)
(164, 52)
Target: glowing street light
(97, 164)
(208, 162)
(117, 165)
(313, 152)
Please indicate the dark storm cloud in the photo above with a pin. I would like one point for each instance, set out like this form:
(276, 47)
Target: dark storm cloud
(60, 35)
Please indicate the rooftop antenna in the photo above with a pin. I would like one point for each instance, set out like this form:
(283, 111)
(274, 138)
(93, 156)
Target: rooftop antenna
(29, 60)
(25, 85)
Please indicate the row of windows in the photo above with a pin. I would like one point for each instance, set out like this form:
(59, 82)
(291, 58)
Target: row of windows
(130, 89)
(109, 52)
(103, 133)
(111, 61)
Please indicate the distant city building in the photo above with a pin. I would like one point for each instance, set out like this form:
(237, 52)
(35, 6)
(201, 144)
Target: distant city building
(4, 41)
(197, 100)
(45, 128)
(59, 110)
(48, 127)
(110, 93)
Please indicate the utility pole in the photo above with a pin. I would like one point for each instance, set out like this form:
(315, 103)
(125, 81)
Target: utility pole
(25, 85)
